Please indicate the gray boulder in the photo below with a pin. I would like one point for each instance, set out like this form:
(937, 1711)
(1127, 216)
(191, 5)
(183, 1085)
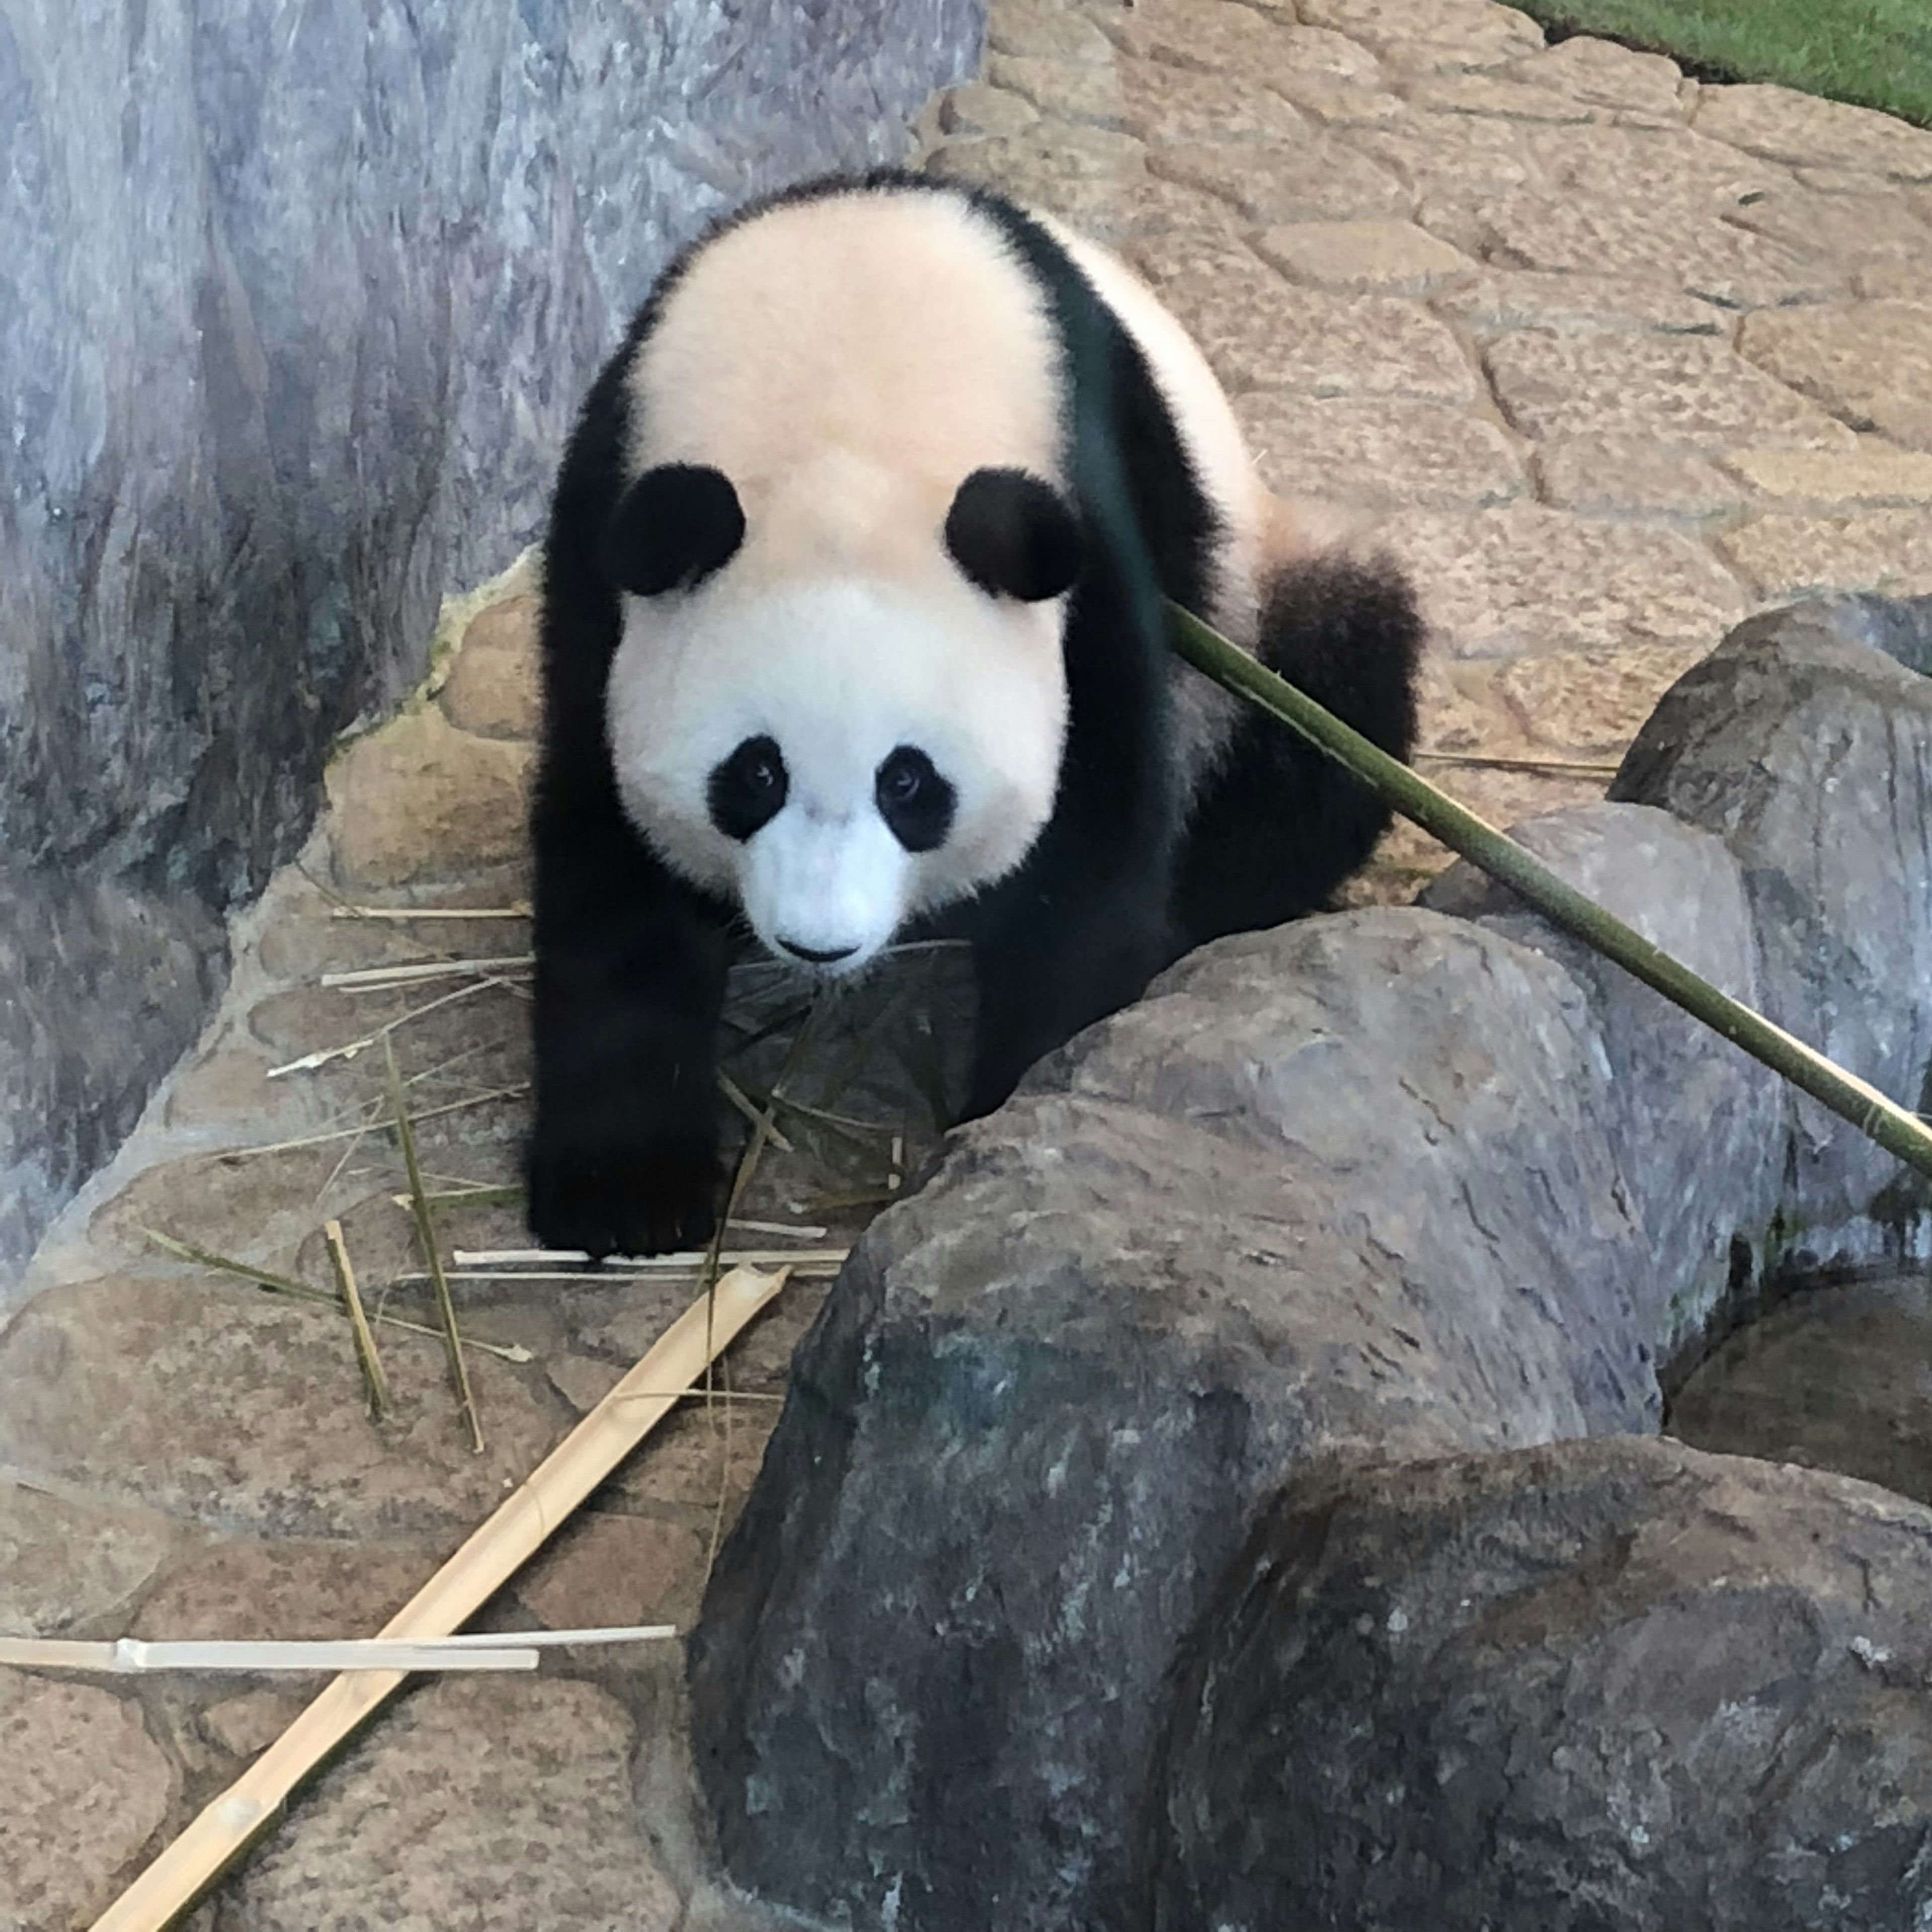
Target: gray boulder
(1615, 1685)
(299, 300)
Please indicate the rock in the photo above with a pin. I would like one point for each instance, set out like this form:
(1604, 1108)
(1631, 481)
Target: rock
(1689, 389)
(1616, 475)
(240, 478)
(1573, 233)
(302, 1591)
(491, 688)
(67, 1566)
(1874, 472)
(1590, 704)
(1826, 707)
(75, 961)
(1870, 364)
(1605, 75)
(602, 1570)
(1454, 157)
(1831, 1378)
(1426, 35)
(1562, 303)
(419, 800)
(1614, 1683)
(494, 1806)
(1043, 1394)
(1318, 179)
(1506, 99)
(1786, 556)
(1849, 230)
(1390, 453)
(977, 109)
(1040, 30)
(1390, 258)
(244, 1411)
(85, 1788)
(1524, 579)
(1695, 1124)
(1326, 345)
(1800, 128)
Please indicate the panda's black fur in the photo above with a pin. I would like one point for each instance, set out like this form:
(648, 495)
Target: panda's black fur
(1126, 874)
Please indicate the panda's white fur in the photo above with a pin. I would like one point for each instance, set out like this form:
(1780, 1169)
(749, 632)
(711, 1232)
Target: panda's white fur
(845, 454)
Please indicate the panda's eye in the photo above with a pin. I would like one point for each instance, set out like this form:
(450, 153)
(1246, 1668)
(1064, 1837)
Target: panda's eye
(915, 802)
(747, 791)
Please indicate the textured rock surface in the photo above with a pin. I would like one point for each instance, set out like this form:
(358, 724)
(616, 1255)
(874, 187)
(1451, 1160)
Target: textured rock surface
(1041, 1399)
(1655, 1688)
(493, 1807)
(1828, 710)
(292, 344)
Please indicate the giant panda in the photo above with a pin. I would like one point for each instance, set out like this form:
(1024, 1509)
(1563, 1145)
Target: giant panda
(852, 631)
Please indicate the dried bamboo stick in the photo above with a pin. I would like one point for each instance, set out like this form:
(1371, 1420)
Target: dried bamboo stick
(359, 1320)
(225, 1830)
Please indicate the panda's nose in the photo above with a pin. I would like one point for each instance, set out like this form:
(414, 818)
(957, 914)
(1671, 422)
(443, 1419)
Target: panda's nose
(815, 955)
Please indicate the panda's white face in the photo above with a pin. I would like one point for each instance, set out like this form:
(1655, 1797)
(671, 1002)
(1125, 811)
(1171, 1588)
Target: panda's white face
(838, 755)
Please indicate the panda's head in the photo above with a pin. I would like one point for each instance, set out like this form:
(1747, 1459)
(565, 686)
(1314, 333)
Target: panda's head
(840, 739)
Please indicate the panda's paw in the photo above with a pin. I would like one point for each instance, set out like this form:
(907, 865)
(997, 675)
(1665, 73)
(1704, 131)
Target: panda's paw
(648, 1196)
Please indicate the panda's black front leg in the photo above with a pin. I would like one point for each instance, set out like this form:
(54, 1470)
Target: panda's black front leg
(623, 1156)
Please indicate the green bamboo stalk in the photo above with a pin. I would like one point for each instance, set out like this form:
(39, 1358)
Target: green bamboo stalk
(1897, 1131)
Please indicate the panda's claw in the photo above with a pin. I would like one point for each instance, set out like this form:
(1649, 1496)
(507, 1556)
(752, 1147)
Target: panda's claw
(651, 1198)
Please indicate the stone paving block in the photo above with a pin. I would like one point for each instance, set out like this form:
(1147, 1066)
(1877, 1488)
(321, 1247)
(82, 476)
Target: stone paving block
(1658, 172)
(1461, 158)
(1591, 703)
(1848, 229)
(492, 686)
(1870, 363)
(978, 109)
(1874, 472)
(304, 1591)
(1895, 280)
(1606, 75)
(1104, 193)
(1389, 453)
(1430, 35)
(1499, 299)
(1259, 332)
(1504, 100)
(1524, 579)
(1039, 28)
(1152, 102)
(66, 1565)
(1800, 128)
(420, 801)
(604, 1571)
(1458, 709)
(1525, 228)
(1391, 258)
(241, 1410)
(1691, 389)
(85, 1788)
(496, 1806)
(1785, 556)
(1625, 475)
(1320, 179)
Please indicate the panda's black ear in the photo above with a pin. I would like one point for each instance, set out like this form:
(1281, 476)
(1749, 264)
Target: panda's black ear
(671, 529)
(1014, 535)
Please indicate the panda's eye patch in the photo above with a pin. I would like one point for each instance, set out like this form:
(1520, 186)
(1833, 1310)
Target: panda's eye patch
(915, 802)
(747, 790)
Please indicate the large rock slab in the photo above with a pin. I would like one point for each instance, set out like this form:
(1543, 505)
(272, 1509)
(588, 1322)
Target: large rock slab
(292, 343)
(1343, 1187)
(1804, 742)
(1655, 1688)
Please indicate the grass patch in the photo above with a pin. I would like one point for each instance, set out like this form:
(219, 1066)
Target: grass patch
(1876, 53)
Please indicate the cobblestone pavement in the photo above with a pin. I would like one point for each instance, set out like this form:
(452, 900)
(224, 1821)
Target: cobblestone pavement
(1613, 358)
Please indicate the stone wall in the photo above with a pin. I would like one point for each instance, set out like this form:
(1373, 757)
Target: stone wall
(299, 298)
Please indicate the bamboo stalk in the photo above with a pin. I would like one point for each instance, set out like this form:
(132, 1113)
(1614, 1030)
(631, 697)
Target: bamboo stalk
(359, 1320)
(1831, 1085)
(364, 978)
(446, 1305)
(228, 1827)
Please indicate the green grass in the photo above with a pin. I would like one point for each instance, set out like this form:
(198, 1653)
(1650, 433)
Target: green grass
(1877, 53)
